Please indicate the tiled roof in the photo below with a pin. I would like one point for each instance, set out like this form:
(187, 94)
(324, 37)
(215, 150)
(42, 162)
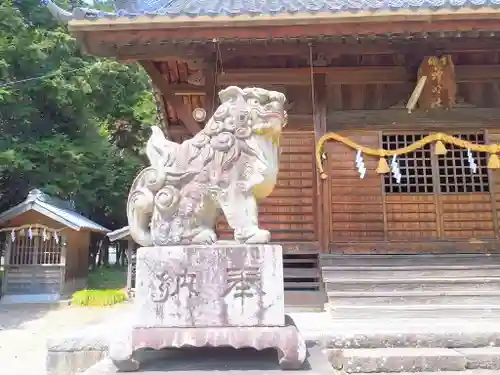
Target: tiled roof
(56, 209)
(257, 7)
(214, 8)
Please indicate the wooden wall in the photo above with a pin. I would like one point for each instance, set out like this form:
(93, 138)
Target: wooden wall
(366, 89)
(33, 280)
(289, 212)
(76, 265)
(357, 207)
(363, 211)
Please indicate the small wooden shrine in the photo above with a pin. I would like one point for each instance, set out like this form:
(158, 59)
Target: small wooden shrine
(46, 249)
(394, 112)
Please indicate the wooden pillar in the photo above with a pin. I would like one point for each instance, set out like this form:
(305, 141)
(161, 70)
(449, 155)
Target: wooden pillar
(130, 249)
(492, 186)
(210, 90)
(6, 263)
(36, 247)
(64, 250)
(323, 210)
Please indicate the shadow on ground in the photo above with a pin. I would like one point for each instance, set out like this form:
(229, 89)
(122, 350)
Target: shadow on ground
(16, 315)
(213, 359)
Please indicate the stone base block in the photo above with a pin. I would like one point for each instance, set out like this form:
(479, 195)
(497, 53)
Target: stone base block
(286, 340)
(72, 352)
(69, 363)
(209, 286)
(76, 351)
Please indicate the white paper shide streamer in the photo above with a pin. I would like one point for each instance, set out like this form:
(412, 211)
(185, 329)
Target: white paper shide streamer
(30, 233)
(472, 162)
(360, 164)
(396, 173)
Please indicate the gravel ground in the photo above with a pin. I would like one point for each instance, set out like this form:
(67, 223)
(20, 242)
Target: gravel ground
(24, 330)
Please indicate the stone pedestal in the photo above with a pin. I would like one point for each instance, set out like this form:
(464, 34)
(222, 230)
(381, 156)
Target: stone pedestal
(219, 295)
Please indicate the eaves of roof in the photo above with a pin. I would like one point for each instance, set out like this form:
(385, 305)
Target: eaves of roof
(119, 234)
(175, 12)
(65, 217)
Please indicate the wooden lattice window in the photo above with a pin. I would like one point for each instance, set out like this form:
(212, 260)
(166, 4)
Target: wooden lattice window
(35, 250)
(23, 250)
(415, 167)
(455, 173)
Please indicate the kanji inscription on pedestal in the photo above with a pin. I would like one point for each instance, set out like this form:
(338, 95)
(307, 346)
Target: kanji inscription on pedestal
(226, 285)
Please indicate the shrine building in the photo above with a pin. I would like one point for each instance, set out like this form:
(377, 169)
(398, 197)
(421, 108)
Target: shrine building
(394, 119)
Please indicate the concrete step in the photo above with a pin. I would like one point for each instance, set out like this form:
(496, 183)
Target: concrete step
(410, 272)
(422, 260)
(409, 311)
(397, 360)
(422, 284)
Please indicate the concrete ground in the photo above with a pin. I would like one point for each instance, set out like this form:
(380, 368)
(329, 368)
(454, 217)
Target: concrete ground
(24, 330)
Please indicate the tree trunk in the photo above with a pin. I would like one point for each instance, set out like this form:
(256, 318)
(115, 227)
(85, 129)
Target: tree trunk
(105, 250)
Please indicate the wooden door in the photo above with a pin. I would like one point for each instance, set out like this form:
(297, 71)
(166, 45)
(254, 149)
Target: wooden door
(439, 197)
(33, 264)
(464, 193)
(411, 206)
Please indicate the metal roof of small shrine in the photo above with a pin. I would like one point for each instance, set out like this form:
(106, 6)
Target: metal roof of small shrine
(119, 234)
(255, 8)
(56, 209)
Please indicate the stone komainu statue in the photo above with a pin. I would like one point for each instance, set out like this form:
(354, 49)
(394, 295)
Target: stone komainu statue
(229, 165)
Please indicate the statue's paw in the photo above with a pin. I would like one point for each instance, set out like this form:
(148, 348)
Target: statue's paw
(261, 236)
(205, 237)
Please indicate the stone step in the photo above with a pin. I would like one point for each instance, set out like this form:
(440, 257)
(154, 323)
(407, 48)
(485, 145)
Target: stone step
(429, 336)
(464, 372)
(397, 360)
(423, 260)
(414, 359)
(443, 301)
(408, 311)
(409, 272)
(482, 358)
(400, 298)
(436, 284)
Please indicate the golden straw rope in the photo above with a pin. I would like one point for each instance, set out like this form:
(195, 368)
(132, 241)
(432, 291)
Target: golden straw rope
(491, 149)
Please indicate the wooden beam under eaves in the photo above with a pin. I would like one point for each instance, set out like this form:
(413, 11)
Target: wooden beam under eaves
(427, 46)
(169, 94)
(349, 75)
(158, 50)
(252, 28)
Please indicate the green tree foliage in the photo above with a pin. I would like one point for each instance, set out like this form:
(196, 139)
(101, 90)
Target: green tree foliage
(76, 132)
